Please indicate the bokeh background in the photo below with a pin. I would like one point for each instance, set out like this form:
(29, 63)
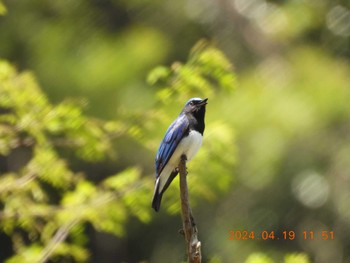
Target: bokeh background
(276, 150)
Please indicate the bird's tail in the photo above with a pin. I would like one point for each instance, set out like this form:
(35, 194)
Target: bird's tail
(157, 197)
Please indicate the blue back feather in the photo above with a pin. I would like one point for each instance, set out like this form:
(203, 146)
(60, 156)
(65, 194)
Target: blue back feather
(172, 138)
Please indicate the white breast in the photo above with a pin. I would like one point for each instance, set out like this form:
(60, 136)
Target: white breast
(188, 146)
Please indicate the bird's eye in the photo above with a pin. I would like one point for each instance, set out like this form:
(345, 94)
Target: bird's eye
(191, 103)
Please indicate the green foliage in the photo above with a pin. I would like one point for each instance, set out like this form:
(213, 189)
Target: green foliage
(38, 222)
(296, 258)
(206, 71)
(258, 258)
(3, 9)
(30, 121)
(31, 114)
(288, 258)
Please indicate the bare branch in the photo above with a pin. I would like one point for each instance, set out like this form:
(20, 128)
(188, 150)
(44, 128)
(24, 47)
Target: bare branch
(189, 227)
(58, 238)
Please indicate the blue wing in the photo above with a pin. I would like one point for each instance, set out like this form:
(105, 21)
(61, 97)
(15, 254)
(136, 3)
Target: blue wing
(173, 136)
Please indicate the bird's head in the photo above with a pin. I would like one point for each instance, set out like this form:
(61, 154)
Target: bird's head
(195, 105)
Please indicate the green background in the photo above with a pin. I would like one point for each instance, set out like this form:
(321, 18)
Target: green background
(88, 88)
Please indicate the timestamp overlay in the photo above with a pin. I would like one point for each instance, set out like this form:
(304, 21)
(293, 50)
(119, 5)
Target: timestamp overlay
(290, 235)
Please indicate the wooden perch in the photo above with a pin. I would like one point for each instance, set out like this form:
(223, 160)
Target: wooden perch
(189, 227)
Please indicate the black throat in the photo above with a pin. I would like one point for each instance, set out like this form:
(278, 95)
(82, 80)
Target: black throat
(196, 120)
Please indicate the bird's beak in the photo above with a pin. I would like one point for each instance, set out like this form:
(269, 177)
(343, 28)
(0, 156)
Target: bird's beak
(203, 102)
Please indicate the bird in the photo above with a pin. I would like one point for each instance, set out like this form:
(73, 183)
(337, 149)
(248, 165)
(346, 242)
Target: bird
(182, 138)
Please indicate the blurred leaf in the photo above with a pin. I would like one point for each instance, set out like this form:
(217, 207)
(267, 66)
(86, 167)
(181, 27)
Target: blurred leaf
(47, 166)
(31, 193)
(83, 192)
(135, 192)
(77, 252)
(206, 71)
(110, 218)
(123, 180)
(30, 254)
(158, 75)
(258, 258)
(3, 9)
(296, 258)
